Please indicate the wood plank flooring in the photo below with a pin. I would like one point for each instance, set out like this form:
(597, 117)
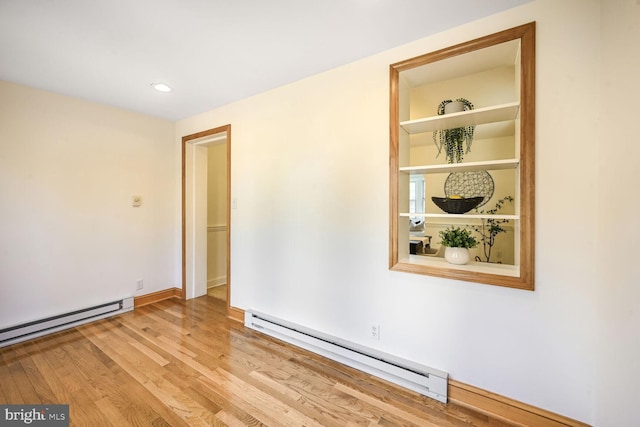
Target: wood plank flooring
(183, 363)
(219, 292)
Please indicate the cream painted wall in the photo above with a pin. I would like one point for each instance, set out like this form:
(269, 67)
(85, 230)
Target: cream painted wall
(309, 240)
(618, 228)
(70, 237)
(217, 214)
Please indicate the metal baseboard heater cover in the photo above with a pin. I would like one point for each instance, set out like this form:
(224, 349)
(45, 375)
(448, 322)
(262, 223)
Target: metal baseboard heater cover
(37, 328)
(421, 379)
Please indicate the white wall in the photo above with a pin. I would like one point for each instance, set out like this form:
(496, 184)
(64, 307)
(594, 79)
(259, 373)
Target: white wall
(310, 234)
(70, 237)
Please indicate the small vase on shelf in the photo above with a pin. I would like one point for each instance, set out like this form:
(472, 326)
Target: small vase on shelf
(458, 256)
(457, 242)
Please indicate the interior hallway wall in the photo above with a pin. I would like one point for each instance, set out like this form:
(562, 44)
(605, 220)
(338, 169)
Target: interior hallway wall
(217, 215)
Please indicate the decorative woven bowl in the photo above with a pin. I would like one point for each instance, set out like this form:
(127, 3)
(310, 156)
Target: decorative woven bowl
(457, 206)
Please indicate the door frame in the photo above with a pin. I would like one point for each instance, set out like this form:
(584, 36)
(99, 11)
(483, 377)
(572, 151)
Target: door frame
(188, 210)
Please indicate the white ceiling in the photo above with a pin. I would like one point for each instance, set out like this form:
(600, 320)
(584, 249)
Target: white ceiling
(212, 52)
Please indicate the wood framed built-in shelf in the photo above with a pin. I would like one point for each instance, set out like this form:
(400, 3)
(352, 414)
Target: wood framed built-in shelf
(497, 72)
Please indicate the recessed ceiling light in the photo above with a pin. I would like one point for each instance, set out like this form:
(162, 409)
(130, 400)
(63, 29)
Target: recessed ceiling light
(161, 87)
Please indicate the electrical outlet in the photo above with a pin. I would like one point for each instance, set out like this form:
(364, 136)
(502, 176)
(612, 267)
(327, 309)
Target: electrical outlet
(139, 284)
(375, 331)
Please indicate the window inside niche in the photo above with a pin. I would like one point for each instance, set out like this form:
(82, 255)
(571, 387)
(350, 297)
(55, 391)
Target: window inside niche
(416, 194)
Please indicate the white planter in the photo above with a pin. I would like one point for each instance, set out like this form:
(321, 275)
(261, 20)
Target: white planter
(454, 107)
(457, 256)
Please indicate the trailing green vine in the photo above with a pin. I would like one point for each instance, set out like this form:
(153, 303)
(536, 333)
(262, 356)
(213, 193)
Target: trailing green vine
(491, 227)
(453, 140)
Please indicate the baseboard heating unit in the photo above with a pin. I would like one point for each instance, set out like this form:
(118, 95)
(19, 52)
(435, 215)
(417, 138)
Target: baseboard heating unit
(37, 328)
(421, 379)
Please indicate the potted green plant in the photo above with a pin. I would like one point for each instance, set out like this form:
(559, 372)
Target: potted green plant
(453, 140)
(457, 242)
(490, 228)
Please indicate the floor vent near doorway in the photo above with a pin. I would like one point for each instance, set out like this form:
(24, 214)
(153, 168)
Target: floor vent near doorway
(29, 330)
(424, 380)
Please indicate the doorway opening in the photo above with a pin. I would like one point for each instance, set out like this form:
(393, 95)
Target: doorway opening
(197, 229)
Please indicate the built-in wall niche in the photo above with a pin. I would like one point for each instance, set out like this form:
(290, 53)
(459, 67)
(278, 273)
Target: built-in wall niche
(497, 74)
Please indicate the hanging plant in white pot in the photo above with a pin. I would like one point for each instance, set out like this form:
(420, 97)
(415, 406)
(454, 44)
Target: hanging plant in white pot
(456, 142)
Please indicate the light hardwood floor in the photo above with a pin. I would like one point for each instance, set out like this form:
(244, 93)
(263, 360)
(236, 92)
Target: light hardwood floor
(176, 363)
(219, 292)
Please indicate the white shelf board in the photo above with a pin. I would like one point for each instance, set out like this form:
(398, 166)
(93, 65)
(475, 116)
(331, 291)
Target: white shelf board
(463, 216)
(492, 114)
(461, 167)
(479, 267)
